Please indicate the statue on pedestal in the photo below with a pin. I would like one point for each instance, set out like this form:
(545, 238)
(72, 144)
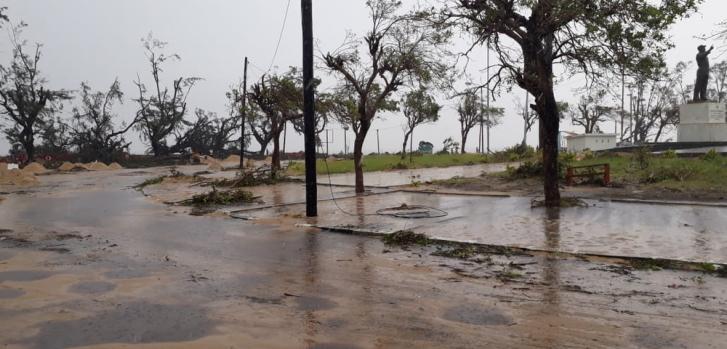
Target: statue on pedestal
(700, 86)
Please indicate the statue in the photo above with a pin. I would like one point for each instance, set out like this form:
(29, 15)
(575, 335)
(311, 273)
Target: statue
(700, 87)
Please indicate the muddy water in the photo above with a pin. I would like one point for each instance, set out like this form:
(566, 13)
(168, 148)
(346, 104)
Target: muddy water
(690, 233)
(407, 177)
(150, 277)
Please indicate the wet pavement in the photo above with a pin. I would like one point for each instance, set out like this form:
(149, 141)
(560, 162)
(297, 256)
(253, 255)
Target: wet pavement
(679, 232)
(139, 273)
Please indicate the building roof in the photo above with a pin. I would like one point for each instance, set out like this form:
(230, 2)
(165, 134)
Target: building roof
(593, 135)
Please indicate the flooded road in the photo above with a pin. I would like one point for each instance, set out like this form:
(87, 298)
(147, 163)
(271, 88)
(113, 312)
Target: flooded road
(680, 232)
(87, 262)
(407, 177)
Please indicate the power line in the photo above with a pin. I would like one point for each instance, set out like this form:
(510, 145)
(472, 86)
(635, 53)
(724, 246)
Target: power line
(280, 37)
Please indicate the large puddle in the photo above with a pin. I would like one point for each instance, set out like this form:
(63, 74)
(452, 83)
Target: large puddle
(690, 233)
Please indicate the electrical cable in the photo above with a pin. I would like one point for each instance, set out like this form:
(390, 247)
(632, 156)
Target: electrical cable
(403, 211)
(280, 37)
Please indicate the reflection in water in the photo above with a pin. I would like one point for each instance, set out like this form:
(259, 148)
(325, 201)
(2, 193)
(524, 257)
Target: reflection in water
(361, 209)
(277, 196)
(310, 284)
(551, 274)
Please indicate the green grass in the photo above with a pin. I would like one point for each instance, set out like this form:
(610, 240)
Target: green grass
(372, 163)
(666, 172)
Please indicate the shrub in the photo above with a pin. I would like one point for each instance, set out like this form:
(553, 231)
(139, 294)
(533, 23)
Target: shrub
(711, 155)
(642, 158)
(669, 154)
(677, 171)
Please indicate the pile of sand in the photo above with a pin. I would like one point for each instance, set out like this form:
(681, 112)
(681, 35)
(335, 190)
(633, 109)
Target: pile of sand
(214, 166)
(3, 166)
(115, 166)
(34, 168)
(96, 166)
(233, 159)
(17, 177)
(67, 166)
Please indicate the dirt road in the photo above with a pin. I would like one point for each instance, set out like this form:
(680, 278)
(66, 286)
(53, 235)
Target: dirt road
(85, 261)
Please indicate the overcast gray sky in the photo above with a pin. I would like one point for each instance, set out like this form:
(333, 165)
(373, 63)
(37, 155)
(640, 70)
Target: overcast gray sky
(99, 40)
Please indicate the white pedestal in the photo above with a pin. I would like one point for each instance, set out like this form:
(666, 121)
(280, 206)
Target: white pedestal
(703, 122)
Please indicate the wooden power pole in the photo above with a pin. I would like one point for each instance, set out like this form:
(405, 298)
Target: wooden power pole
(311, 189)
(243, 115)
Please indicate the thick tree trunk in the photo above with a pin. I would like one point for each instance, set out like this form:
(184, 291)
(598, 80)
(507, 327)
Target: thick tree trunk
(275, 165)
(549, 131)
(358, 160)
(156, 147)
(539, 70)
(29, 146)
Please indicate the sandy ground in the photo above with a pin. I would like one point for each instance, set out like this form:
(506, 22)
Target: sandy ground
(88, 262)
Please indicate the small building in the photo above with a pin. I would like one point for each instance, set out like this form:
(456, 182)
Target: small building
(593, 142)
(426, 147)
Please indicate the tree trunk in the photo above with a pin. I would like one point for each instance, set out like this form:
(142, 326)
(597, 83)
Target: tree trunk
(275, 165)
(358, 160)
(539, 68)
(549, 131)
(403, 147)
(28, 142)
(464, 141)
(156, 147)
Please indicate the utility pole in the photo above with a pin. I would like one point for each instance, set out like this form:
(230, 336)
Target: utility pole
(285, 136)
(309, 110)
(345, 143)
(327, 143)
(623, 102)
(244, 114)
(481, 140)
(488, 96)
(378, 142)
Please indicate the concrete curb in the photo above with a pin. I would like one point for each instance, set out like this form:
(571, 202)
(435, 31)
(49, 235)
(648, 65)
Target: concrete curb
(681, 264)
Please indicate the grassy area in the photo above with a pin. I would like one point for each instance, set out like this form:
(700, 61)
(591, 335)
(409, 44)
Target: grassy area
(372, 163)
(708, 172)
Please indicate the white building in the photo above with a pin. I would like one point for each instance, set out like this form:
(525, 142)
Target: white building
(593, 142)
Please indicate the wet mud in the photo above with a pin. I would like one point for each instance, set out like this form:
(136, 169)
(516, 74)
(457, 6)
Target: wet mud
(311, 303)
(136, 322)
(5, 254)
(92, 287)
(10, 293)
(477, 315)
(24, 275)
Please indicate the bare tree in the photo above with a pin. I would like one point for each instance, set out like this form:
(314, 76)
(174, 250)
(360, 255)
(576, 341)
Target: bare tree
(590, 111)
(27, 103)
(654, 109)
(56, 136)
(94, 131)
(161, 110)
(583, 36)
(209, 134)
(529, 116)
(397, 48)
(472, 112)
(719, 81)
(469, 116)
(419, 108)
